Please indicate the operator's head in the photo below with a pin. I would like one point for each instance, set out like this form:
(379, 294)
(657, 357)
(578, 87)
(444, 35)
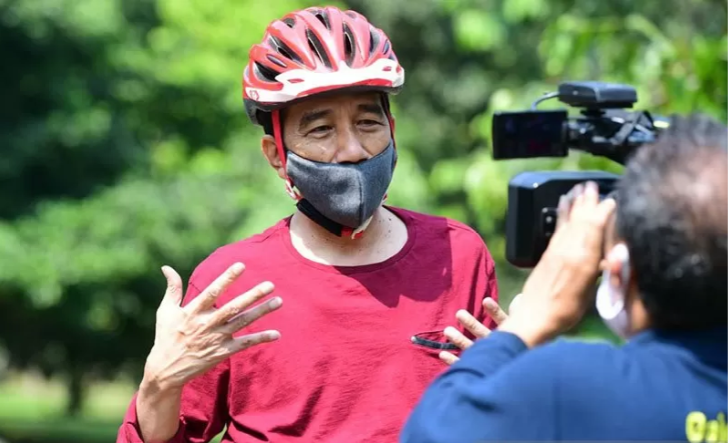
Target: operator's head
(318, 84)
(666, 246)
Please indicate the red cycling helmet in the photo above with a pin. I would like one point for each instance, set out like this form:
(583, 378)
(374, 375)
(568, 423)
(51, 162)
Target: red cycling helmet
(317, 50)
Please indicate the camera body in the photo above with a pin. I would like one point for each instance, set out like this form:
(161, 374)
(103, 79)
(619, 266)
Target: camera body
(604, 128)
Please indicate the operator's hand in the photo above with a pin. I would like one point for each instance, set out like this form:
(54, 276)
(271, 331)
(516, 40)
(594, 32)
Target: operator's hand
(192, 339)
(472, 325)
(556, 294)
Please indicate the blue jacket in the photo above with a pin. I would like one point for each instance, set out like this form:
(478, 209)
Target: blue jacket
(659, 386)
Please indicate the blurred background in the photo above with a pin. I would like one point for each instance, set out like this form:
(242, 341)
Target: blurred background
(125, 146)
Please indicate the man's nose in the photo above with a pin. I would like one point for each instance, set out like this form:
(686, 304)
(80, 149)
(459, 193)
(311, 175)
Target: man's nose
(349, 148)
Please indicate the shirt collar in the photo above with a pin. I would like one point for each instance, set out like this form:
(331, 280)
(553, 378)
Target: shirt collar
(709, 345)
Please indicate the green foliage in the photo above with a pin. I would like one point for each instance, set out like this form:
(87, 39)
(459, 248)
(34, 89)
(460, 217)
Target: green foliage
(126, 146)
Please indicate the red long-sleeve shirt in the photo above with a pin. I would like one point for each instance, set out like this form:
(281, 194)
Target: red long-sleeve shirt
(346, 369)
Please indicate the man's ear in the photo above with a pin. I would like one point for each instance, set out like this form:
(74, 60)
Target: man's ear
(270, 151)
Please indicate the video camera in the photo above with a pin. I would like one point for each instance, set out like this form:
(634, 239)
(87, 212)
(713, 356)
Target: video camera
(603, 129)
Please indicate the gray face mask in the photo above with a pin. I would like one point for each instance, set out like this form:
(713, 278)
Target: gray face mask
(345, 193)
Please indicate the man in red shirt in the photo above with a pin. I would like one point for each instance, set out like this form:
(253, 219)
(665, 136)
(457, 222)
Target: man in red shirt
(368, 288)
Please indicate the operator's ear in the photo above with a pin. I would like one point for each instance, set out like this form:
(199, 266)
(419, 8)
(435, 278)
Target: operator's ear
(270, 151)
(616, 260)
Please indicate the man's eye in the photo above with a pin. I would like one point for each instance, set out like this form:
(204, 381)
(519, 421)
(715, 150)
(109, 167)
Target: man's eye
(369, 122)
(320, 129)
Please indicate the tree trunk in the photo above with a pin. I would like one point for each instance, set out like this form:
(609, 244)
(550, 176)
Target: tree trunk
(76, 393)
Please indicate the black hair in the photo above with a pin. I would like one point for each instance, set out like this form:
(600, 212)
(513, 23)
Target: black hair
(672, 213)
(265, 119)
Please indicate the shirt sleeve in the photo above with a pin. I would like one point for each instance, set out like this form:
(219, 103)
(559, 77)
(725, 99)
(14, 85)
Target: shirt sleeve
(203, 410)
(491, 291)
(485, 285)
(497, 391)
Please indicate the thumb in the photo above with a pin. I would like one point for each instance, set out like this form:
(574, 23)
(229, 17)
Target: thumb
(514, 304)
(174, 291)
(605, 210)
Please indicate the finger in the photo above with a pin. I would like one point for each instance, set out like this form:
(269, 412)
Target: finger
(562, 212)
(457, 338)
(248, 317)
(591, 193)
(448, 357)
(583, 209)
(240, 303)
(566, 205)
(605, 209)
(594, 219)
(494, 311)
(238, 344)
(579, 198)
(207, 298)
(587, 199)
(471, 323)
(174, 292)
(575, 192)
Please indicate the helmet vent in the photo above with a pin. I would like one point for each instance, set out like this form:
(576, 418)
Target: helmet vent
(284, 50)
(318, 48)
(373, 40)
(265, 72)
(349, 47)
(290, 22)
(323, 18)
(276, 60)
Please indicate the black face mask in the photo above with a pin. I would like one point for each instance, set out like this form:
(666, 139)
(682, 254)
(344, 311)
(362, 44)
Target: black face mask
(346, 194)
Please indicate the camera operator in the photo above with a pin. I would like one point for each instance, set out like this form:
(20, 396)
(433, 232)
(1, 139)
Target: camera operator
(662, 253)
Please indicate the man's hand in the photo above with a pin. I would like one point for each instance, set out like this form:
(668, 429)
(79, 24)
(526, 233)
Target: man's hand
(556, 295)
(472, 325)
(191, 340)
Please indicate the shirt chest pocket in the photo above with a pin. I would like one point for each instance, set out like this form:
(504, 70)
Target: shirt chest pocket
(428, 346)
(433, 340)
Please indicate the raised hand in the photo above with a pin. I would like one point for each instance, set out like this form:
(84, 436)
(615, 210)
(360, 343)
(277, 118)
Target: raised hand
(559, 290)
(192, 339)
(472, 325)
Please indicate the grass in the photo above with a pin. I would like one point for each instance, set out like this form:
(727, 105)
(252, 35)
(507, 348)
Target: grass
(32, 411)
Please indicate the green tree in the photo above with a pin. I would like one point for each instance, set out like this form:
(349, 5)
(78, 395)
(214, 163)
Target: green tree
(127, 147)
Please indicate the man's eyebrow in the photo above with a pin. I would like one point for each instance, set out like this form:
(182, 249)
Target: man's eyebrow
(311, 116)
(372, 108)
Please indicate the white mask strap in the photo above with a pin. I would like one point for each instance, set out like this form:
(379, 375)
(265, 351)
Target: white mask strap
(610, 307)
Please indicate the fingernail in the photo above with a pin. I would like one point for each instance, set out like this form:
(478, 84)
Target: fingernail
(274, 335)
(267, 287)
(237, 267)
(276, 302)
